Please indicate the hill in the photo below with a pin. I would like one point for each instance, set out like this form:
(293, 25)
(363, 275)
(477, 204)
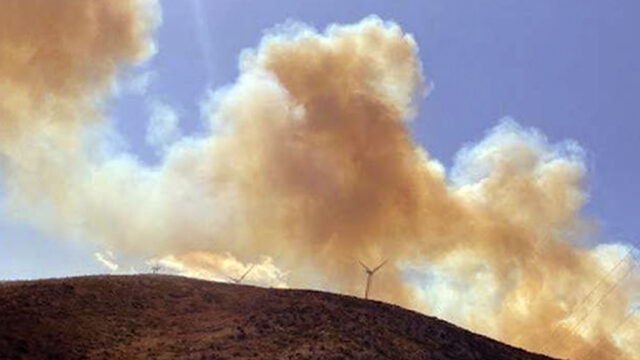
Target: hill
(170, 317)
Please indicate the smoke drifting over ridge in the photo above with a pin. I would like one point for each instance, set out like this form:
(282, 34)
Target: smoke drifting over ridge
(310, 166)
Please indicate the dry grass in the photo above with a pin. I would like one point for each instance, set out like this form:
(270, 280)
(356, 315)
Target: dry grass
(168, 317)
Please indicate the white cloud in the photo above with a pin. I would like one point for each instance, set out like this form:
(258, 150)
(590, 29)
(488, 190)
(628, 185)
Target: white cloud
(139, 84)
(107, 259)
(217, 267)
(163, 128)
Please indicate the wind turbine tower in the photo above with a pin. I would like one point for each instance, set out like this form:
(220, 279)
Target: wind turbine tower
(370, 273)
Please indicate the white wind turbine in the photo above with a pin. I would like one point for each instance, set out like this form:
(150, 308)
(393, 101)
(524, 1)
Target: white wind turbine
(370, 273)
(239, 280)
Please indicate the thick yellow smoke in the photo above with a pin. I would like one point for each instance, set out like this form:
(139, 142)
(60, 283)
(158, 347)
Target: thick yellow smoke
(309, 168)
(58, 60)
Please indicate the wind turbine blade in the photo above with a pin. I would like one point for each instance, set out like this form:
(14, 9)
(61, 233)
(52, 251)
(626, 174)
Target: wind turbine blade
(364, 266)
(246, 272)
(379, 266)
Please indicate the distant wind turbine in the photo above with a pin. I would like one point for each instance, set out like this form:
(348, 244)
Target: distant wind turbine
(156, 268)
(370, 273)
(239, 280)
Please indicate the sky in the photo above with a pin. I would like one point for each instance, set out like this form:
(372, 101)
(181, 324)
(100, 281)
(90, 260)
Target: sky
(569, 69)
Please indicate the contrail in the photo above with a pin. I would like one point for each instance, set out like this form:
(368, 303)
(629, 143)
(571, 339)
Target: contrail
(203, 38)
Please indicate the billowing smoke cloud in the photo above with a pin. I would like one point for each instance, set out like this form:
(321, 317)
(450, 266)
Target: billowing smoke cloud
(57, 64)
(309, 167)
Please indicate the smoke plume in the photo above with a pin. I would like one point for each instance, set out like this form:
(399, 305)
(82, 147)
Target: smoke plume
(309, 167)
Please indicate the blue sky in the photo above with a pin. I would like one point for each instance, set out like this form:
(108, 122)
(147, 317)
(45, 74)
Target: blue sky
(569, 68)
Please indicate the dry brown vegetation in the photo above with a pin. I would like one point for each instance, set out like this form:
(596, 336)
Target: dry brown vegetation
(169, 317)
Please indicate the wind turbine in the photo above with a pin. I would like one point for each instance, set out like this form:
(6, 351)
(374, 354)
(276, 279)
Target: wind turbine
(156, 268)
(370, 273)
(239, 280)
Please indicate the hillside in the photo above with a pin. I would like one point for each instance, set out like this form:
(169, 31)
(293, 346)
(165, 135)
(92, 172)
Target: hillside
(170, 317)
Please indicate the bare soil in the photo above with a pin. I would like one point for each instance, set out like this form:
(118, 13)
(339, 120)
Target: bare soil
(171, 317)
